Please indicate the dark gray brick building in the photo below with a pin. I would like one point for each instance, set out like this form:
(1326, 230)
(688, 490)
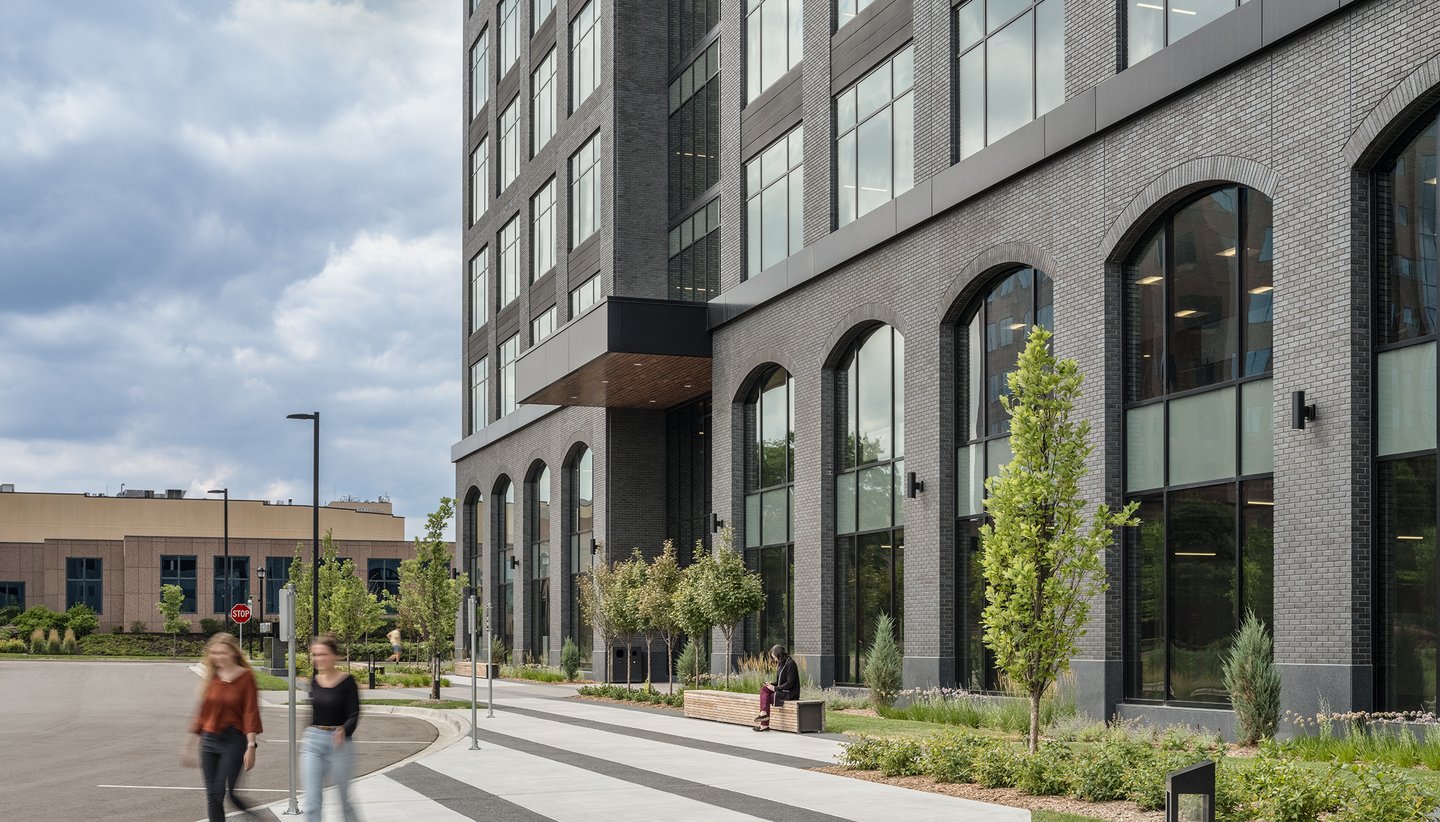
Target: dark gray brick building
(818, 231)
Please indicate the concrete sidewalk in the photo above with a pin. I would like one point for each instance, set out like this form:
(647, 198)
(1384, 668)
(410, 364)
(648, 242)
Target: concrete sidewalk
(544, 756)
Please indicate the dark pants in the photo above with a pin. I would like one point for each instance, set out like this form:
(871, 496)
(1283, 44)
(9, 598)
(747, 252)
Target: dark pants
(221, 757)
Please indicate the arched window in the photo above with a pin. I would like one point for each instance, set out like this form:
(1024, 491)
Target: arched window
(870, 467)
(991, 337)
(504, 497)
(471, 529)
(1407, 584)
(1198, 442)
(769, 505)
(539, 564)
(582, 531)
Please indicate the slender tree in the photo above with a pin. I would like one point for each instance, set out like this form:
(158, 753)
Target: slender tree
(1042, 559)
(656, 603)
(732, 592)
(354, 610)
(172, 599)
(627, 577)
(689, 605)
(429, 595)
(300, 571)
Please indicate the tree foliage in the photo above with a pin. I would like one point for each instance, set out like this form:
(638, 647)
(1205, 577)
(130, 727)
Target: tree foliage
(656, 603)
(883, 663)
(626, 582)
(691, 609)
(82, 619)
(595, 588)
(429, 597)
(172, 599)
(1254, 683)
(300, 577)
(354, 610)
(732, 591)
(1042, 559)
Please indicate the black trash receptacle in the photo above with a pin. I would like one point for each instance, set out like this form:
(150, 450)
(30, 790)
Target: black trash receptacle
(631, 656)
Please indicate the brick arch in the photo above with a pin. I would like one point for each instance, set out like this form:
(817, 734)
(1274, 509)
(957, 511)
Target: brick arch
(1177, 184)
(977, 273)
(756, 363)
(537, 465)
(853, 323)
(572, 454)
(1393, 116)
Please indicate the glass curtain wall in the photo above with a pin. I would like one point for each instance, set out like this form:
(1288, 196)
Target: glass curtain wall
(869, 495)
(1198, 442)
(773, 42)
(775, 203)
(770, 506)
(505, 589)
(1154, 24)
(582, 531)
(472, 532)
(875, 138)
(1012, 66)
(1407, 581)
(687, 478)
(990, 341)
(539, 565)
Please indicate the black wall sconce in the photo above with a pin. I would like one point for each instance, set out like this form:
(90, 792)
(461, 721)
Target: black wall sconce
(716, 523)
(913, 486)
(1300, 413)
(514, 563)
(594, 547)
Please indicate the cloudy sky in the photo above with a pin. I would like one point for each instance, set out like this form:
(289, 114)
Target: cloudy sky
(213, 214)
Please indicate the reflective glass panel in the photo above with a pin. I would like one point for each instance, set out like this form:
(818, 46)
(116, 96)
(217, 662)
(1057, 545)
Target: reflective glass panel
(875, 406)
(1409, 271)
(1259, 284)
(1202, 437)
(1145, 602)
(1049, 55)
(1202, 590)
(1202, 290)
(1145, 447)
(1405, 399)
(1406, 518)
(875, 497)
(1145, 28)
(1145, 321)
(1010, 90)
(1257, 428)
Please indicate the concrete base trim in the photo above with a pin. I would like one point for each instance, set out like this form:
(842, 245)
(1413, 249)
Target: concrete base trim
(1215, 720)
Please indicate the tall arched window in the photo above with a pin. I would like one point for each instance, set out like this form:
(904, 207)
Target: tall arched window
(1198, 442)
(582, 531)
(1407, 583)
(870, 466)
(769, 505)
(471, 528)
(991, 338)
(504, 497)
(538, 617)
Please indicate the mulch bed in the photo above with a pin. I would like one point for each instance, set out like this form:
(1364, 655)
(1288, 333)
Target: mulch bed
(1112, 811)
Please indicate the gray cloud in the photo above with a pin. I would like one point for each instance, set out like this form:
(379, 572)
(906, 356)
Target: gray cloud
(213, 215)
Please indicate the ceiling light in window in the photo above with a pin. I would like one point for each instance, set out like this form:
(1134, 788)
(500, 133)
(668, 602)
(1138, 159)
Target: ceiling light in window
(1015, 326)
(1192, 14)
(1265, 502)
(1229, 252)
(1150, 280)
(1187, 312)
(1150, 6)
(1193, 554)
(1262, 289)
(1430, 182)
(1145, 356)
(1409, 537)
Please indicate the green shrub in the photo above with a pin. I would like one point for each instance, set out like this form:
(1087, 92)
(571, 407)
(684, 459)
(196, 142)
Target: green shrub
(570, 662)
(186, 645)
(9, 632)
(117, 629)
(8, 614)
(534, 673)
(36, 617)
(997, 766)
(1383, 794)
(499, 654)
(1101, 775)
(67, 644)
(12, 646)
(38, 645)
(950, 756)
(863, 752)
(137, 627)
(52, 642)
(209, 626)
(81, 619)
(901, 758)
(883, 663)
(1250, 676)
(1145, 782)
(1047, 772)
(1286, 790)
(646, 694)
(686, 663)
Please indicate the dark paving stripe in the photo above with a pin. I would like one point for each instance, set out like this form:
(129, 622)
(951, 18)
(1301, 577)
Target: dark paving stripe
(710, 795)
(460, 797)
(784, 760)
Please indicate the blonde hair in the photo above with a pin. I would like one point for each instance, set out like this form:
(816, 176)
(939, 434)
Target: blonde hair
(208, 664)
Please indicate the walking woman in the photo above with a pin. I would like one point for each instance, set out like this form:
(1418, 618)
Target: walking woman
(786, 686)
(227, 723)
(326, 749)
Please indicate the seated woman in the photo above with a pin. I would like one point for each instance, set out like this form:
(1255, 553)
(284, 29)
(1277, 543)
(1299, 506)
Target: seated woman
(786, 686)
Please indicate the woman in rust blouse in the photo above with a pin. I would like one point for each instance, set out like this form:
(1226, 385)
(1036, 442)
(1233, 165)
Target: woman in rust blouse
(227, 723)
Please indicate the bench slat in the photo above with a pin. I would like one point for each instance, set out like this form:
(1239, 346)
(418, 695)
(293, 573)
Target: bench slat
(795, 716)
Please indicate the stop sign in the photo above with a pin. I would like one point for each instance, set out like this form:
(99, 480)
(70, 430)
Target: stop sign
(240, 613)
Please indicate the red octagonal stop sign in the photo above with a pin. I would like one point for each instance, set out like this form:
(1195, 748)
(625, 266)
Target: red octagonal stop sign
(240, 613)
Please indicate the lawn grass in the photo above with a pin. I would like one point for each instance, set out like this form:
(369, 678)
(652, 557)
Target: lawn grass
(422, 703)
(836, 722)
(95, 658)
(1056, 816)
(269, 682)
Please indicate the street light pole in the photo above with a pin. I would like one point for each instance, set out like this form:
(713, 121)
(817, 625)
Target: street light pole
(315, 525)
(229, 591)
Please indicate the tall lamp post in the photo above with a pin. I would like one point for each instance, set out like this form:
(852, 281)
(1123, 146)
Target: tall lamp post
(315, 522)
(229, 592)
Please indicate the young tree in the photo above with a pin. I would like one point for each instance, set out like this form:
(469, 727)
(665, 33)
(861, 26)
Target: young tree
(595, 587)
(1042, 560)
(429, 596)
(656, 604)
(627, 577)
(690, 608)
(354, 610)
(636, 575)
(1253, 682)
(300, 571)
(732, 592)
(172, 599)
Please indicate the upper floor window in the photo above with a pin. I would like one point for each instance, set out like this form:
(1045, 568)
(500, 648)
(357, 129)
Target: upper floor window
(694, 269)
(539, 13)
(479, 75)
(1154, 24)
(479, 289)
(510, 261)
(584, 295)
(875, 138)
(479, 180)
(846, 10)
(690, 22)
(510, 143)
(772, 42)
(775, 202)
(543, 325)
(509, 351)
(542, 102)
(542, 231)
(584, 54)
(509, 34)
(694, 130)
(479, 394)
(1012, 66)
(585, 191)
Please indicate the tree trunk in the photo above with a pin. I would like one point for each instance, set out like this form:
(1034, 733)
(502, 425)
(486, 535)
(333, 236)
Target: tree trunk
(649, 638)
(627, 664)
(609, 661)
(435, 677)
(1035, 719)
(727, 656)
(670, 661)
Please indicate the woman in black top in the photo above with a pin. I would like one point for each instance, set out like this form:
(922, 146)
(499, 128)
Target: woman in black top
(786, 686)
(326, 749)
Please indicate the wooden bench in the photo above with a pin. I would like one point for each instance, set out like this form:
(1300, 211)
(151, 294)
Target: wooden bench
(801, 716)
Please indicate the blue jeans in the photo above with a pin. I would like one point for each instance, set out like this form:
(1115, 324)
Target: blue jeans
(319, 758)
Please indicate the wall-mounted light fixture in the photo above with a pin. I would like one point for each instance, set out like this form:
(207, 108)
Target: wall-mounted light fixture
(514, 563)
(1300, 413)
(913, 486)
(716, 523)
(594, 547)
